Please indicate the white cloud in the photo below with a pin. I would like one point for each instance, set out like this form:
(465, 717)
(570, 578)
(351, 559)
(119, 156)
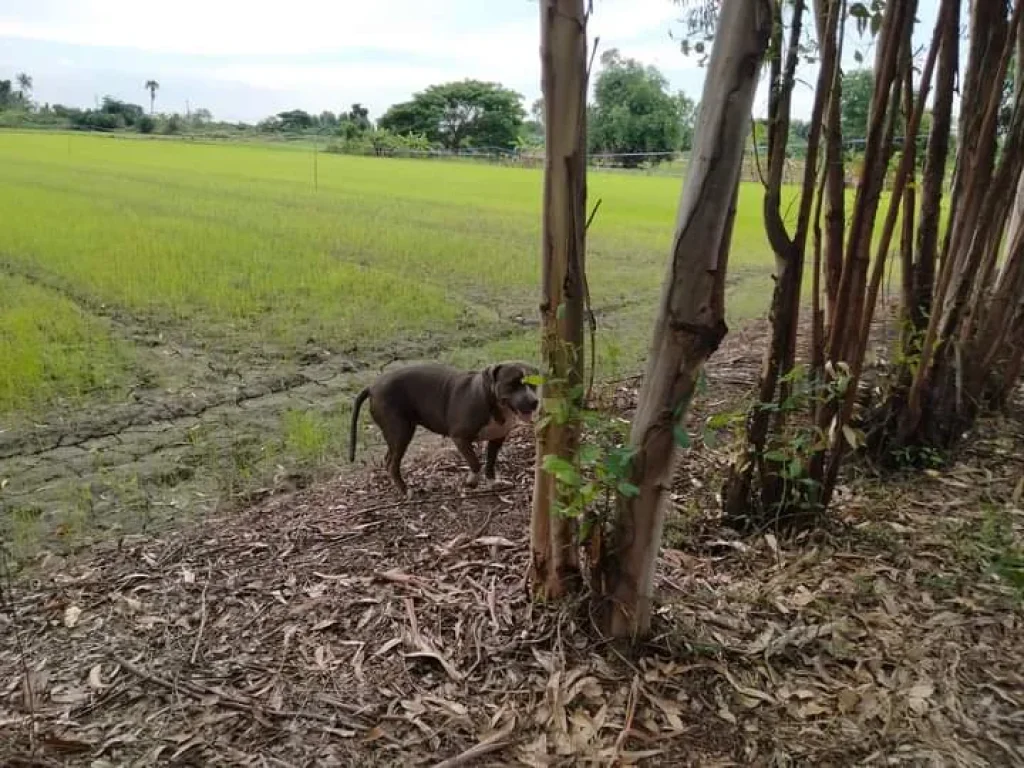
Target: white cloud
(301, 27)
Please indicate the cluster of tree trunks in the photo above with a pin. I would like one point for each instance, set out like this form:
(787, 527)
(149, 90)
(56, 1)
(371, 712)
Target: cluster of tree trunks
(961, 344)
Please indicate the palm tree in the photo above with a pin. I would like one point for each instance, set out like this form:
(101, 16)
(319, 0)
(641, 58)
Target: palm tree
(24, 85)
(152, 86)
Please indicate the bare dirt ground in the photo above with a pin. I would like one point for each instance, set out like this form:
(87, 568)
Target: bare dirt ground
(201, 425)
(335, 626)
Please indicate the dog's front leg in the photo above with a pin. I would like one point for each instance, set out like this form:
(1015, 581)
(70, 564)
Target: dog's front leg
(493, 446)
(469, 454)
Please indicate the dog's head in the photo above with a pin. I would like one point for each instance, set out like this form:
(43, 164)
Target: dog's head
(510, 391)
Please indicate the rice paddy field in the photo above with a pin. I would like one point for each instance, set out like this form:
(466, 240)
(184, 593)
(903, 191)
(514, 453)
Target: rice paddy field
(183, 324)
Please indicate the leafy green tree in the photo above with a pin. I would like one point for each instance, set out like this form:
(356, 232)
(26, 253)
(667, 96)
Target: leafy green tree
(359, 116)
(6, 94)
(458, 114)
(688, 119)
(354, 123)
(858, 88)
(1005, 113)
(24, 85)
(633, 112)
(126, 114)
(327, 120)
(152, 86)
(294, 120)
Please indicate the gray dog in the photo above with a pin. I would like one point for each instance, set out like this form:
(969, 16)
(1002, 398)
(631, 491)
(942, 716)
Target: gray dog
(467, 406)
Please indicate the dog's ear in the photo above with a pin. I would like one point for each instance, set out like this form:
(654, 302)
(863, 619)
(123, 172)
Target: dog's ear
(490, 375)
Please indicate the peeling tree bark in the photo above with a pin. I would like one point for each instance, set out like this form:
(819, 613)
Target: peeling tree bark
(691, 318)
(555, 560)
(835, 182)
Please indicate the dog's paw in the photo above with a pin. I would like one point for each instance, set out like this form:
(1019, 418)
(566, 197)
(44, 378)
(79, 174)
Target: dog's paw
(498, 483)
(472, 480)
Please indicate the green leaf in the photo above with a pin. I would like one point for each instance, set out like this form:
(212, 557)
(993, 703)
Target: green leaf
(628, 489)
(681, 436)
(722, 420)
(702, 383)
(563, 471)
(776, 456)
(589, 454)
(534, 380)
(709, 438)
(851, 436)
(617, 460)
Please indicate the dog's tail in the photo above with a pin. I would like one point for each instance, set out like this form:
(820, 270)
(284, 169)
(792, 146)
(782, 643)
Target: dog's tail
(355, 423)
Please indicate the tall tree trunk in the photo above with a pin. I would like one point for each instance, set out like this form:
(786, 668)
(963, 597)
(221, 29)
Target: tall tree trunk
(983, 191)
(852, 283)
(789, 259)
(691, 317)
(909, 210)
(1016, 220)
(554, 556)
(835, 181)
(934, 176)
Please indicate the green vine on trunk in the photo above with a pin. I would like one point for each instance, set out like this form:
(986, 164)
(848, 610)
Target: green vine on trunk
(588, 483)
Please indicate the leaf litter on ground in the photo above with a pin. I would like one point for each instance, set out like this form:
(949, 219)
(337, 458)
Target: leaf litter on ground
(333, 626)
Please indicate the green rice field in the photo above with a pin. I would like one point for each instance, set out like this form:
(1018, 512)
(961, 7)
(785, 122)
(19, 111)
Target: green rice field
(181, 321)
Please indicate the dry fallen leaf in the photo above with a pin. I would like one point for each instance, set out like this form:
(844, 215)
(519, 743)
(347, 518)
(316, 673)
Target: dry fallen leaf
(71, 616)
(95, 679)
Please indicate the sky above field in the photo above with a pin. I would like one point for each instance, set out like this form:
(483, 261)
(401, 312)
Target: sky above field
(244, 60)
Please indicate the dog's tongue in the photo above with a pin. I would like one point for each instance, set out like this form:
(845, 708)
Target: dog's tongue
(528, 417)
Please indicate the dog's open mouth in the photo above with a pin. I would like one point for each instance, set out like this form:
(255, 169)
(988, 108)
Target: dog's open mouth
(526, 416)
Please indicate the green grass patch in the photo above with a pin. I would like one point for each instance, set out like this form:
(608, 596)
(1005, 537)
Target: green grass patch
(51, 350)
(235, 237)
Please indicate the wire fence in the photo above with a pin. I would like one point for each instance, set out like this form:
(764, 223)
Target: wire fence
(673, 164)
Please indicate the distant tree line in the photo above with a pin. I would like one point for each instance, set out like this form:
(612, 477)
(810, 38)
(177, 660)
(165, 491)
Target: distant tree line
(634, 118)
(634, 115)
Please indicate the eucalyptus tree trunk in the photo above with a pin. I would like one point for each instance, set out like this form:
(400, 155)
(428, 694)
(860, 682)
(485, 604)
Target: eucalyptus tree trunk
(738, 498)
(975, 305)
(691, 317)
(554, 556)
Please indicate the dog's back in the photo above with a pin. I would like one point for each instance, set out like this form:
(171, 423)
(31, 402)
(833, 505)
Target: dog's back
(421, 393)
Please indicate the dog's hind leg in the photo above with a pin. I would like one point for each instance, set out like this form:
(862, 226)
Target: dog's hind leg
(401, 444)
(469, 454)
(398, 434)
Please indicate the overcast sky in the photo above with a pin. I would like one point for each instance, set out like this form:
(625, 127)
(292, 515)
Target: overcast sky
(246, 59)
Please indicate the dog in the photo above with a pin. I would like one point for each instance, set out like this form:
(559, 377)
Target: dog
(467, 406)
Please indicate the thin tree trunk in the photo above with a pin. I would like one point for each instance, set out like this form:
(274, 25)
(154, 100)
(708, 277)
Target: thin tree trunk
(934, 176)
(849, 303)
(909, 209)
(789, 258)
(981, 197)
(852, 284)
(690, 323)
(555, 561)
(862, 334)
(835, 181)
(832, 189)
